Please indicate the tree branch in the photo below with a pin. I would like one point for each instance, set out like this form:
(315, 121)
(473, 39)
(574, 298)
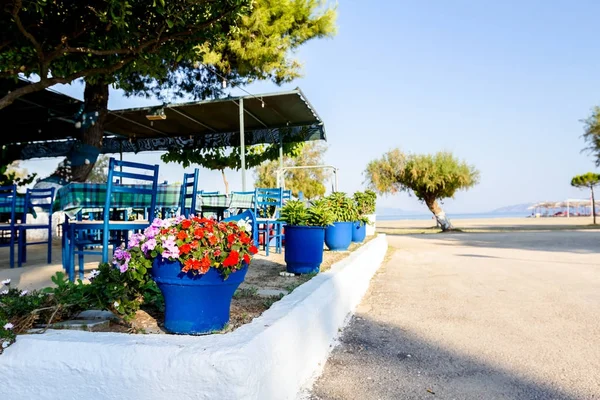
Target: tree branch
(38, 47)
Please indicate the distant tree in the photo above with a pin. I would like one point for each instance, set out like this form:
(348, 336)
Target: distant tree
(13, 174)
(221, 158)
(99, 173)
(307, 181)
(588, 181)
(591, 134)
(431, 178)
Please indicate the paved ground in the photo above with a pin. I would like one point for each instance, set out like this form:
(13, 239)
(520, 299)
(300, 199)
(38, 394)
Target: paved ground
(476, 316)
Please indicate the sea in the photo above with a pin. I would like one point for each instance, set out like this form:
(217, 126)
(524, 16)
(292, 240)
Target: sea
(454, 216)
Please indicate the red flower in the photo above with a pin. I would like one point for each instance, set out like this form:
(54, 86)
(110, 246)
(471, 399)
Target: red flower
(164, 231)
(253, 249)
(246, 258)
(245, 238)
(232, 259)
(186, 223)
(204, 265)
(231, 238)
(185, 248)
(192, 263)
(212, 240)
(194, 244)
(198, 233)
(217, 252)
(182, 235)
(222, 227)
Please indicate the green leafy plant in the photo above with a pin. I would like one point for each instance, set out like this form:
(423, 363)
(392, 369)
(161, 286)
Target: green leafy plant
(365, 202)
(343, 207)
(295, 212)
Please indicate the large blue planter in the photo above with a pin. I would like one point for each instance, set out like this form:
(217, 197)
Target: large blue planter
(339, 236)
(359, 232)
(195, 304)
(303, 248)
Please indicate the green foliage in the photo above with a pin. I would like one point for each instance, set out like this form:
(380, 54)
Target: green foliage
(307, 181)
(588, 180)
(365, 202)
(99, 173)
(343, 207)
(591, 134)
(428, 176)
(12, 174)
(109, 40)
(220, 158)
(295, 212)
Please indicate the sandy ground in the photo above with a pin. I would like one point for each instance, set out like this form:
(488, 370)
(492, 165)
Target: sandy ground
(476, 316)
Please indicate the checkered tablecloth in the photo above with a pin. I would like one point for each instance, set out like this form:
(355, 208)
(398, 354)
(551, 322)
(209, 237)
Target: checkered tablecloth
(77, 196)
(19, 208)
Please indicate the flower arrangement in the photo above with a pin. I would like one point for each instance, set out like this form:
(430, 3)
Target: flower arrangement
(198, 243)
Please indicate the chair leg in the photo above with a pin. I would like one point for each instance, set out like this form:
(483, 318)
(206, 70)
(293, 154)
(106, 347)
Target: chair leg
(267, 238)
(12, 248)
(105, 247)
(20, 249)
(50, 245)
(71, 254)
(80, 258)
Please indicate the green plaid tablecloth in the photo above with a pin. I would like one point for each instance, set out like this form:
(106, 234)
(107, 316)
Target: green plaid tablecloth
(218, 203)
(77, 196)
(19, 208)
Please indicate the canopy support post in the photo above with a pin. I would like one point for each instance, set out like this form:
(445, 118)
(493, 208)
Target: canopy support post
(280, 176)
(242, 145)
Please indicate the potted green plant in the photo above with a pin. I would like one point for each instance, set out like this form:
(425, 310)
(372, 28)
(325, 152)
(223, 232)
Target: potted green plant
(338, 236)
(197, 263)
(365, 202)
(304, 235)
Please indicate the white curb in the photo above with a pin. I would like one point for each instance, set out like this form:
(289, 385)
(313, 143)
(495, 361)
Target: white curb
(270, 358)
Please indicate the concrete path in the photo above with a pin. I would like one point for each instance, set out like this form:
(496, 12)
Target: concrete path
(476, 316)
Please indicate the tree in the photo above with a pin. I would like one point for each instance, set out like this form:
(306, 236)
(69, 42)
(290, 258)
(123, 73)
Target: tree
(220, 158)
(60, 41)
(592, 134)
(307, 181)
(13, 174)
(184, 47)
(99, 173)
(429, 177)
(588, 181)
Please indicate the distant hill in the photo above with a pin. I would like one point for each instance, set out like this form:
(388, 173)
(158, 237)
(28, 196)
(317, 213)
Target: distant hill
(517, 208)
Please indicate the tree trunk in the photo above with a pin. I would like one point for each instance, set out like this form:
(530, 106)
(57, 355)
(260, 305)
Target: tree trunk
(96, 100)
(439, 214)
(225, 181)
(593, 205)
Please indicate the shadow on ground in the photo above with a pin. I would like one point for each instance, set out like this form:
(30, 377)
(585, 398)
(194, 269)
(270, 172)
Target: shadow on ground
(379, 361)
(559, 241)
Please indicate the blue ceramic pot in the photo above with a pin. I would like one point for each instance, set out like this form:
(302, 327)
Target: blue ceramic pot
(339, 236)
(195, 304)
(359, 232)
(303, 248)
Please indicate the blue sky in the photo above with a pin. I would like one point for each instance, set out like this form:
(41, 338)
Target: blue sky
(503, 85)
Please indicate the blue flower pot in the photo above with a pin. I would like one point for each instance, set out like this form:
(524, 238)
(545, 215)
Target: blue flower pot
(339, 236)
(195, 304)
(359, 232)
(303, 248)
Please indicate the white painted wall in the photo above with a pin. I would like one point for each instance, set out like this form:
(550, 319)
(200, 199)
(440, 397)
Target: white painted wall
(270, 358)
(42, 218)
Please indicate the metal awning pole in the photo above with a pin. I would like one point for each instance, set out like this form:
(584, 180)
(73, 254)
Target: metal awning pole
(335, 171)
(242, 145)
(280, 178)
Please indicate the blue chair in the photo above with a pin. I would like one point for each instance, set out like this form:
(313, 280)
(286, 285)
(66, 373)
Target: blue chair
(8, 197)
(267, 204)
(241, 201)
(41, 199)
(78, 229)
(189, 180)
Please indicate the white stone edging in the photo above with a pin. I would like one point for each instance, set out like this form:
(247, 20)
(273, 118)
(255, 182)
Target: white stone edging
(270, 358)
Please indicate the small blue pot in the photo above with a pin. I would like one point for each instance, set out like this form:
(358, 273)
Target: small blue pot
(195, 304)
(304, 248)
(359, 232)
(339, 236)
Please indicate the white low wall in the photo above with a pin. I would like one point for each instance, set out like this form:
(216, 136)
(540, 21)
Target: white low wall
(42, 218)
(270, 358)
